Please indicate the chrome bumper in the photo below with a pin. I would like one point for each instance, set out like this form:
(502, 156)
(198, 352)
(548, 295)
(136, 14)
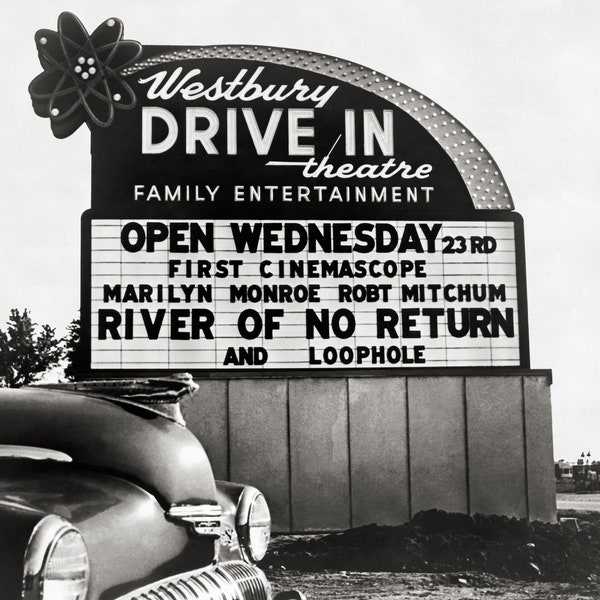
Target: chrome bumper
(226, 581)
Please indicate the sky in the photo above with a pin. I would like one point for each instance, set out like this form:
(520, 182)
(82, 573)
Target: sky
(524, 77)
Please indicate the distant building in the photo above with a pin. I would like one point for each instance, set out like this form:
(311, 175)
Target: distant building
(564, 470)
(583, 475)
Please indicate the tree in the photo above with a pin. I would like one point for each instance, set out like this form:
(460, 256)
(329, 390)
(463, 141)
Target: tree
(75, 354)
(25, 353)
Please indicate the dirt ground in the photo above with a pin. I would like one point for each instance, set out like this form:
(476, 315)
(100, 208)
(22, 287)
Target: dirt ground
(409, 586)
(444, 556)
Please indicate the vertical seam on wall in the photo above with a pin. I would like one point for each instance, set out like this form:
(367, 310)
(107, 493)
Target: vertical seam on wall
(525, 447)
(289, 450)
(351, 511)
(466, 430)
(228, 422)
(408, 467)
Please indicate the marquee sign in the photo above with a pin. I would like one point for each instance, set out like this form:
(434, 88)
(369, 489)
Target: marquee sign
(263, 209)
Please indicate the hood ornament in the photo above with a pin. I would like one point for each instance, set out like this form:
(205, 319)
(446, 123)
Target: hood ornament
(161, 395)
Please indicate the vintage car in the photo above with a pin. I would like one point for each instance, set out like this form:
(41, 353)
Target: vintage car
(105, 494)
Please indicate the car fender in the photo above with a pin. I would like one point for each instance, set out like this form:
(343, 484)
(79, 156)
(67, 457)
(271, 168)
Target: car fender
(129, 539)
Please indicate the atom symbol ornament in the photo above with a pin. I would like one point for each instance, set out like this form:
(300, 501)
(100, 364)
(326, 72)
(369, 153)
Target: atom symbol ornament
(80, 82)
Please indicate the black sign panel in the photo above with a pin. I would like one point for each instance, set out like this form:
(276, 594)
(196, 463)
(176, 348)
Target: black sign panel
(212, 136)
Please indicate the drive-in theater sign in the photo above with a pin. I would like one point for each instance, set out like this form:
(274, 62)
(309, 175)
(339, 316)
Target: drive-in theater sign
(264, 215)
(252, 215)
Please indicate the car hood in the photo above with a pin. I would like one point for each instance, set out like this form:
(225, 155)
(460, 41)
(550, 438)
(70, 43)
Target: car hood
(136, 444)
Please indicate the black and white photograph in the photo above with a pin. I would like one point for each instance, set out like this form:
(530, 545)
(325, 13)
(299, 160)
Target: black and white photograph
(298, 300)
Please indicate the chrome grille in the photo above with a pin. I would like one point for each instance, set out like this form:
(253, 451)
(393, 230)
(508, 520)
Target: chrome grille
(226, 581)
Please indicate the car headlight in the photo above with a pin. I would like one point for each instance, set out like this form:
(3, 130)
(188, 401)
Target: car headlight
(253, 523)
(56, 565)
